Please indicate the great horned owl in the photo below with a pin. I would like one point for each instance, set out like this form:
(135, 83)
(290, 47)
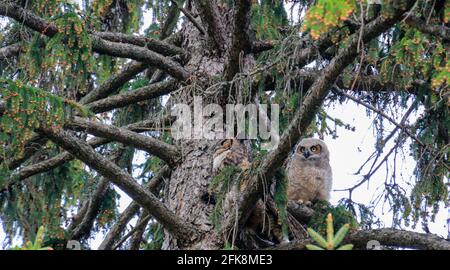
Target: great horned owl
(309, 172)
(230, 152)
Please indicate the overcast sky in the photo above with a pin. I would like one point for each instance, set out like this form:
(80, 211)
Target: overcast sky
(347, 153)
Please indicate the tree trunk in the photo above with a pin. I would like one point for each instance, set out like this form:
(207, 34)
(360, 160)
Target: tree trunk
(187, 192)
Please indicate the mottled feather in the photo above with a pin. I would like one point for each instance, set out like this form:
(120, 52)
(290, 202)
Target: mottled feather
(309, 172)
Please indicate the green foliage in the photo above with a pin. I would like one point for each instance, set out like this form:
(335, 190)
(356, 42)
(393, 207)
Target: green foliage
(66, 56)
(26, 108)
(48, 8)
(340, 213)
(108, 209)
(267, 17)
(44, 200)
(332, 241)
(442, 76)
(432, 166)
(37, 245)
(123, 16)
(221, 184)
(326, 14)
(155, 237)
(415, 55)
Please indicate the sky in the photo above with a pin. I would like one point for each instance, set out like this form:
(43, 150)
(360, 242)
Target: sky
(347, 153)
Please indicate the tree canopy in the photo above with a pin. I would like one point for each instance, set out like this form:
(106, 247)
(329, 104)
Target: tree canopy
(87, 88)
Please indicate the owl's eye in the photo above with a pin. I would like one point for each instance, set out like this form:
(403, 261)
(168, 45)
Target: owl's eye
(301, 149)
(315, 148)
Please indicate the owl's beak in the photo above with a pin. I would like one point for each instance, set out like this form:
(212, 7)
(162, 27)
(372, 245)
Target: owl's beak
(306, 154)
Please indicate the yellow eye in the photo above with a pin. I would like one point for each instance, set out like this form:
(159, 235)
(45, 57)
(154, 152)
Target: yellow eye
(301, 149)
(315, 148)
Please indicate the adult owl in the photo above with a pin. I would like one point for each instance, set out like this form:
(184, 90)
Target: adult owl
(230, 152)
(309, 172)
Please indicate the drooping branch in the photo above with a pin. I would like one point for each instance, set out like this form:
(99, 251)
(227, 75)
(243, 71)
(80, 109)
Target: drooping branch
(131, 211)
(32, 146)
(436, 30)
(99, 45)
(109, 87)
(304, 115)
(360, 83)
(241, 43)
(164, 151)
(60, 159)
(81, 150)
(211, 21)
(10, 51)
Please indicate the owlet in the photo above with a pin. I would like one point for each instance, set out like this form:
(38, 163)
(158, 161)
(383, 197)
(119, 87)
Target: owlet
(309, 172)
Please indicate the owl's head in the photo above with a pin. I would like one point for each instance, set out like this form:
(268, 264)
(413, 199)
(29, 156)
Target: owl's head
(312, 149)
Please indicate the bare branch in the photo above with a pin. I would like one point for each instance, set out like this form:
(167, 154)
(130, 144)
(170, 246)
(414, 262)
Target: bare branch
(138, 235)
(138, 229)
(81, 150)
(161, 47)
(10, 51)
(138, 53)
(436, 30)
(90, 213)
(111, 85)
(399, 238)
(141, 94)
(380, 112)
(261, 46)
(211, 19)
(190, 17)
(131, 211)
(241, 43)
(166, 152)
(386, 237)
